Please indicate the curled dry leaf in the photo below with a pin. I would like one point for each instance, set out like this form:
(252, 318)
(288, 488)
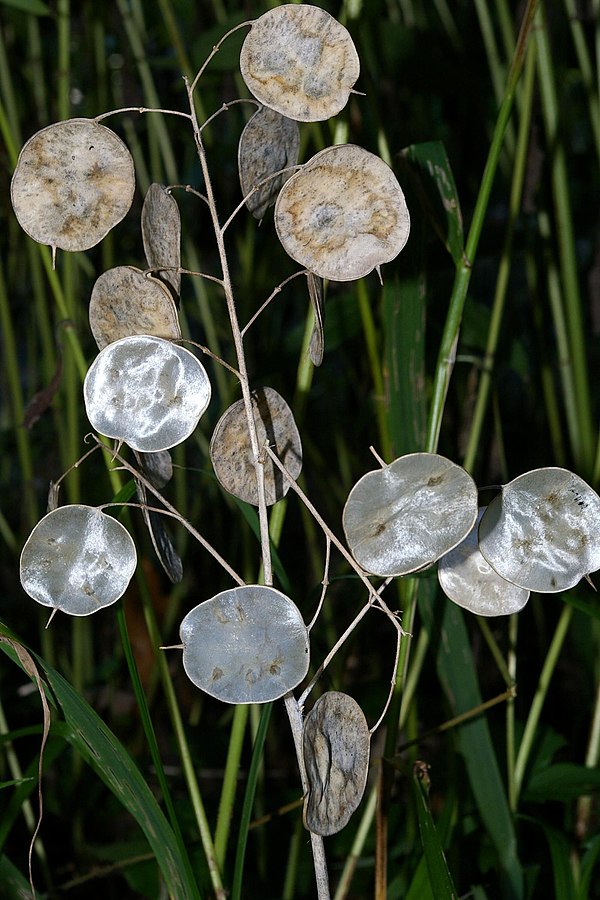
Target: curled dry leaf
(468, 580)
(268, 143)
(541, 531)
(161, 235)
(73, 182)
(231, 450)
(78, 560)
(405, 516)
(147, 392)
(124, 302)
(300, 61)
(245, 645)
(343, 214)
(335, 743)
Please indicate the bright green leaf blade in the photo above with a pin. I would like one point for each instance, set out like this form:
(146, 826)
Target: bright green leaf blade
(33, 7)
(404, 326)
(101, 749)
(456, 670)
(438, 194)
(440, 878)
(563, 781)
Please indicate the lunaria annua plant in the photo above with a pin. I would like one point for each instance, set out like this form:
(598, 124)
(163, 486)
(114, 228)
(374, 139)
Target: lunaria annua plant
(340, 215)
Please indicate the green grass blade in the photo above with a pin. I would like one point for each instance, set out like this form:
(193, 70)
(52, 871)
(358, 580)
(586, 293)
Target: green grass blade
(14, 885)
(102, 750)
(456, 670)
(440, 878)
(589, 865)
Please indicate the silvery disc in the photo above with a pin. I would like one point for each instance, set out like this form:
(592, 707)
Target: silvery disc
(147, 392)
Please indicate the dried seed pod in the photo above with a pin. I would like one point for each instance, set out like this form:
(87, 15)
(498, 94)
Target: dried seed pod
(336, 743)
(468, 580)
(161, 235)
(73, 182)
(78, 560)
(231, 450)
(343, 214)
(405, 516)
(300, 61)
(268, 143)
(125, 302)
(541, 531)
(147, 392)
(317, 339)
(245, 645)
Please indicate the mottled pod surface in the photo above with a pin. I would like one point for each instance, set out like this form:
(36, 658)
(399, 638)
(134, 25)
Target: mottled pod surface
(77, 559)
(300, 61)
(541, 531)
(343, 214)
(336, 744)
(73, 182)
(245, 645)
(161, 234)
(269, 142)
(147, 392)
(468, 580)
(125, 302)
(403, 517)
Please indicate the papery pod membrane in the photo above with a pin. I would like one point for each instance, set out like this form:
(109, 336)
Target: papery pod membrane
(541, 531)
(77, 559)
(300, 61)
(125, 302)
(73, 182)
(468, 580)
(245, 645)
(317, 338)
(157, 467)
(336, 744)
(231, 450)
(405, 516)
(268, 143)
(343, 214)
(147, 392)
(161, 235)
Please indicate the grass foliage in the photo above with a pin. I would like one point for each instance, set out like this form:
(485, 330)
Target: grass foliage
(482, 342)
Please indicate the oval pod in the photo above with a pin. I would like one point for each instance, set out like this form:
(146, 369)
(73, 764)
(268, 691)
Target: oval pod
(147, 392)
(78, 560)
(336, 743)
(403, 517)
(343, 214)
(268, 143)
(541, 531)
(300, 61)
(73, 182)
(245, 645)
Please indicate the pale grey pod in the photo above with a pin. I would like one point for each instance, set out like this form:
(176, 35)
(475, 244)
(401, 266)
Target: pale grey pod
(541, 531)
(336, 743)
(147, 392)
(77, 559)
(468, 580)
(300, 61)
(73, 182)
(268, 143)
(245, 645)
(161, 235)
(405, 516)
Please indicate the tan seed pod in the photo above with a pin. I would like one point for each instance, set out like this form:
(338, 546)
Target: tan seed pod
(161, 235)
(336, 744)
(125, 302)
(268, 143)
(343, 214)
(300, 61)
(73, 182)
(231, 451)
(317, 339)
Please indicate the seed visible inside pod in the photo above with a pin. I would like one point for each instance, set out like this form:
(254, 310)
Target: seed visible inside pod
(343, 214)
(77, 559)
(245, 645)
(300, 61)
(403, 517)
(73, 182)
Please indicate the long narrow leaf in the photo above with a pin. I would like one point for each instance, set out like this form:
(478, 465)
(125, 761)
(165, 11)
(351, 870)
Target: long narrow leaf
(440, 878)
